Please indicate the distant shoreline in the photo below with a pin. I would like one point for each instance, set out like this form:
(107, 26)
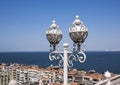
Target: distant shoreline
(47, 51)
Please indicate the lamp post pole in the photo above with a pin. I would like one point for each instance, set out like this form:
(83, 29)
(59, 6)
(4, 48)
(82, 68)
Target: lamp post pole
(78, 33)
(65, 65)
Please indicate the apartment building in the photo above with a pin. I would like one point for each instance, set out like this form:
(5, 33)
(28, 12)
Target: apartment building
(34, 75)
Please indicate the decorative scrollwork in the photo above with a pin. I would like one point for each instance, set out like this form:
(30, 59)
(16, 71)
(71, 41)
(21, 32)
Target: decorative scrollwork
(83, 47)
(61, 63)
(70, 63)
(56, 56)
(74, 47)
(79, 56)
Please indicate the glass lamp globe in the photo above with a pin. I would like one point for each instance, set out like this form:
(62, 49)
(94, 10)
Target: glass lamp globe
(78, 32)
(54, 35)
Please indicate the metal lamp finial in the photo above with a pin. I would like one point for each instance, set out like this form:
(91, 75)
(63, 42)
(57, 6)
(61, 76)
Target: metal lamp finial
(53, 21)
(77, 17)
(54, 25)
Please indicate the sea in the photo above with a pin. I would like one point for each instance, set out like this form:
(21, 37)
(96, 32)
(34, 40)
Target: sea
(100, 61)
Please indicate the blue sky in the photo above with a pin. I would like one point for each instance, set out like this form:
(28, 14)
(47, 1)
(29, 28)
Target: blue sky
(23, 23)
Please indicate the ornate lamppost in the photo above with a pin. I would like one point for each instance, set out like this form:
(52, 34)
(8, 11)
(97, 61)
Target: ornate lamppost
(78, 33)
(107, 75)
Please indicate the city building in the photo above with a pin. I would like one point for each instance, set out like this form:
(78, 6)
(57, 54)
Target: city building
(17, 74)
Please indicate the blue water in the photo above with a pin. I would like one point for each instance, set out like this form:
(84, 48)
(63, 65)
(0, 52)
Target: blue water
(99, 61)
